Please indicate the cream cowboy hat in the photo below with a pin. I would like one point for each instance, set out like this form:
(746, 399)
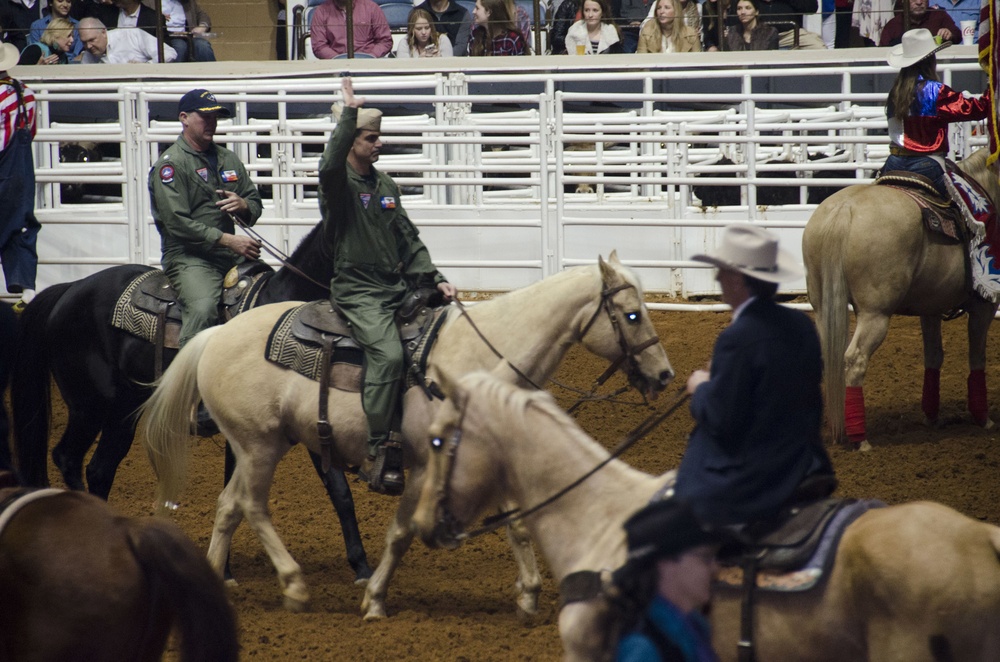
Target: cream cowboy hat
(916, 45)
(9, 55)
(753, 251)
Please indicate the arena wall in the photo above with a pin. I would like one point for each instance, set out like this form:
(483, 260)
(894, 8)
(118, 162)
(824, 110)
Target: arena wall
(512, 171)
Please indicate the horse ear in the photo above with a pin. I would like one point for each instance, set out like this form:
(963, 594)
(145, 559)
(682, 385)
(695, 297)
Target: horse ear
(613, 258)
(448, 383)
(609, 269)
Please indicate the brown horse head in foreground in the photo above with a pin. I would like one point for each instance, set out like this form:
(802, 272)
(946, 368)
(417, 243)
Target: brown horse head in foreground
(78, 582)
(866, 245)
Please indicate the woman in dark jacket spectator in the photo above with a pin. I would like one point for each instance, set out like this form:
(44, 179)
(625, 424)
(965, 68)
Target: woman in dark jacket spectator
(752, 35)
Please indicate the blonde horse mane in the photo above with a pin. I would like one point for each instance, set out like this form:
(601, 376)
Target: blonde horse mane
(987, 175)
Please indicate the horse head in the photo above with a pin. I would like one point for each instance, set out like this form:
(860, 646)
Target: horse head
(620, 330)
(452, 496)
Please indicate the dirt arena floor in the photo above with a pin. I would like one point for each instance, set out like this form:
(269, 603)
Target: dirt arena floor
(459, 605)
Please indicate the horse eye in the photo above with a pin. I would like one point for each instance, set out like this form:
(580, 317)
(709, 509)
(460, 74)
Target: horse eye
(437, 443)
(632, 317)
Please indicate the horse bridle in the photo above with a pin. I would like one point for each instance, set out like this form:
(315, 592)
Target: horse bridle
(447, 523)
(630, 353)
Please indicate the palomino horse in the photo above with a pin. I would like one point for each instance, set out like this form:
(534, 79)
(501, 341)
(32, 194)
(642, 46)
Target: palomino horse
(103, 374)
(78, 582)
(867, 246)
(916, 582)
(263, 409)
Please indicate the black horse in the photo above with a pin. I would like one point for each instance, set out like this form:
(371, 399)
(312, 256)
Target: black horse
(8, 330)
(102, 373)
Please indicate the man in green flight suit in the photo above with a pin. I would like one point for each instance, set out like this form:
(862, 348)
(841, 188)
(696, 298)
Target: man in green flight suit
(195, 189)
(378, 260)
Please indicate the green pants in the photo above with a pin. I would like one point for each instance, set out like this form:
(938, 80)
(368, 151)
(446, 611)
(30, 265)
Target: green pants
(198, 284)
(374, 329)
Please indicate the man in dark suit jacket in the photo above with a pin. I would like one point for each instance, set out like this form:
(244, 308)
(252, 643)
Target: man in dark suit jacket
(759, 410)
(145, 17)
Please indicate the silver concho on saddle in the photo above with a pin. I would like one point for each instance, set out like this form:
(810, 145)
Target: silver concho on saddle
(147, 307)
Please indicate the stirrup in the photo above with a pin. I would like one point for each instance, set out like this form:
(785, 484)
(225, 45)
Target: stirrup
(19, 306)
(384, 472)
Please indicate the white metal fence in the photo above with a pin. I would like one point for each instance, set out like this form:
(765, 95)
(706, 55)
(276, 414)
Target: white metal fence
(511, 176)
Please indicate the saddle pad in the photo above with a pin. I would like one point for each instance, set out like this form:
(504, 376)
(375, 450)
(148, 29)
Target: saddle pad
(815, 569)
(127, 317)
(289, 351)
(981, 220)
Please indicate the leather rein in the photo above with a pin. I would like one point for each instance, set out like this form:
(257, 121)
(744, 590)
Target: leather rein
(276, 253)
(629, 352)
(447, 522)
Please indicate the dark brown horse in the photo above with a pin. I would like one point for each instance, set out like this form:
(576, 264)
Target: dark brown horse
(78, 582)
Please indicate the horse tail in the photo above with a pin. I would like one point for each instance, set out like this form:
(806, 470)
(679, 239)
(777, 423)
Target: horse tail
(30, 394)
(168, 417)
(181, 583)
(834, 325)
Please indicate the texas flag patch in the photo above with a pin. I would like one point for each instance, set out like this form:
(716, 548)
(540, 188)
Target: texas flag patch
(388, 202)
(203, 173)
(365, 199)
(166, 174)
(229, 176)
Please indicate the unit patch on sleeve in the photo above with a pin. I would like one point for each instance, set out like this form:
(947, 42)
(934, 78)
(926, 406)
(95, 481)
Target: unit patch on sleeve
(229, 175)
(166, 174)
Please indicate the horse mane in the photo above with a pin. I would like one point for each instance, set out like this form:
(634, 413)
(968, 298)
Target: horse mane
(312, 249)
(513, 404)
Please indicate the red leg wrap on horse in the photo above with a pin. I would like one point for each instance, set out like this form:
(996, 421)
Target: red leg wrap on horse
(854, 415)
(931, 401)
(977, 397)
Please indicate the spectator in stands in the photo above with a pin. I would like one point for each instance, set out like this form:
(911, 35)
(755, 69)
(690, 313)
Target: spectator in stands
(422, 39)
(962, 10)
(54, 47)
(58, 9)
(18, 225)
(119, 46)
(716, 23)
(187, 24)
(690, 12)
(16, 17)
(566, 14)
(934, 19)
(789, 13)
(103, 10)
(495, 32)
(596, 33)
(452, 19)
(372, 35)
(134, 14)
(522, 20)
(753, 34)
(666, 32)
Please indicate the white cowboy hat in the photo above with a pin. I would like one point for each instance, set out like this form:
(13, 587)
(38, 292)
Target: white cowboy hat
(915, 46)
(9, 55)
(753, 251)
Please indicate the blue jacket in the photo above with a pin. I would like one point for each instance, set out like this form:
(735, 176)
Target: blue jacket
(667, 635)
(758, 418)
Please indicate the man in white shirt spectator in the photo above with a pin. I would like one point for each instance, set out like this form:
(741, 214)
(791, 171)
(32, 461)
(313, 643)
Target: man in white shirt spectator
(121, 46)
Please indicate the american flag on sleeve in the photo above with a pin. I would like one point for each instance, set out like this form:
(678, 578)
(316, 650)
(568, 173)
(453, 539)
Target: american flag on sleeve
(988, 60)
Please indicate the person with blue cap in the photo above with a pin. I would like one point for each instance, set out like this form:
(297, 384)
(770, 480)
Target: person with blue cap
(197, 188)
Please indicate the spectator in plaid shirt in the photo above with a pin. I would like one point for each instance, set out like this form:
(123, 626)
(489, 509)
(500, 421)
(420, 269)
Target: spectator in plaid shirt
(495, 32)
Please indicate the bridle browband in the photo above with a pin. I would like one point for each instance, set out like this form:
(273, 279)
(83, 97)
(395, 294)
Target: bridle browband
(450, 525)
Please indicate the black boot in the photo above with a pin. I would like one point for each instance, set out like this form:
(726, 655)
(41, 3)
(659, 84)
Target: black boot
(204, 425)
(384, 472)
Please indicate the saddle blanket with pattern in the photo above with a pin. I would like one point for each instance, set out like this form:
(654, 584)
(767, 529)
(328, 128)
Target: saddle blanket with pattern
(815, 568)
(980, 218)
